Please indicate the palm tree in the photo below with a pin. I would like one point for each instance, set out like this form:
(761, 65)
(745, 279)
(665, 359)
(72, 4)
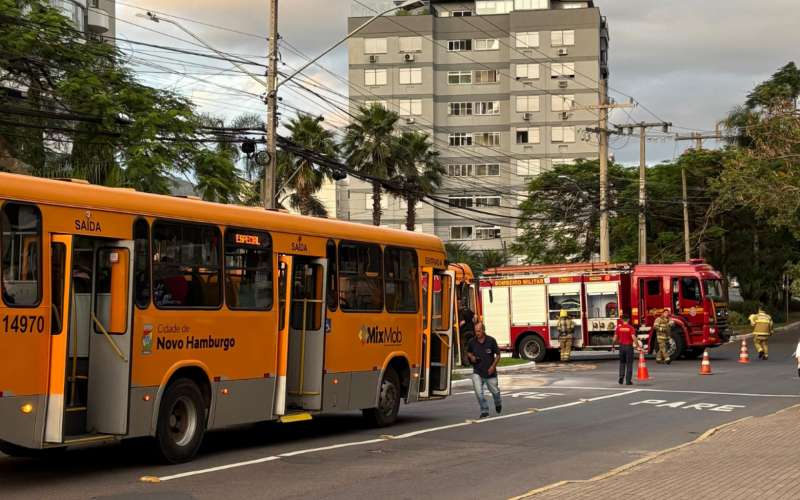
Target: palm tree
(370, 146)
(419, 172)
(305, 178)
(488, 259)
(458, 252)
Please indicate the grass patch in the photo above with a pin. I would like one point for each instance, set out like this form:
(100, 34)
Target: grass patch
(456, 376)
(794, 317)
(512, 361)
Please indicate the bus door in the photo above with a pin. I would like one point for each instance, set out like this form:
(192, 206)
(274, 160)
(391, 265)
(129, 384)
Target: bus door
(284, 299)
(111, 315)
(306, 346)
(60, 319)
(438, 333)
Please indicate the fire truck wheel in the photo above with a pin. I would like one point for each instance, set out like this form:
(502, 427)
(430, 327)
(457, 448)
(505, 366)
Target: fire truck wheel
(532, 348)
(388, 402)
(677, 345)
(13, 450)
(181, 422)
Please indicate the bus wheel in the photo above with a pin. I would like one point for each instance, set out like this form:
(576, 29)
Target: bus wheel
(532, 348)
(181, 422)
(677, 345)
(388, 402)
(13, 450)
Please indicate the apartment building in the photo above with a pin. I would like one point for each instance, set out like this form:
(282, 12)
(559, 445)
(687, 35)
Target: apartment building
(94, 17)
(494, 84)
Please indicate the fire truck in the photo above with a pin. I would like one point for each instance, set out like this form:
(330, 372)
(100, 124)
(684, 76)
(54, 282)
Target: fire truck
(521, 305)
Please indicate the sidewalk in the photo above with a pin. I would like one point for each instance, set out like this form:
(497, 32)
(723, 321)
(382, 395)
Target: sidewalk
(750, 458)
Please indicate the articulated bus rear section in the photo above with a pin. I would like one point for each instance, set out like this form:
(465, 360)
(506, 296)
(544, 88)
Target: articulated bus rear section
(119, 321)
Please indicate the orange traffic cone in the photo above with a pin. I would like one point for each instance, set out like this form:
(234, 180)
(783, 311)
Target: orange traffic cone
(743, 357)
(705, 369)
(642, 374)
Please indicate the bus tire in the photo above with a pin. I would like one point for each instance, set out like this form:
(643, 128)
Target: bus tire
(677, 345)
(181, 422)
(532, 348)
(13, 450)
(388, 402)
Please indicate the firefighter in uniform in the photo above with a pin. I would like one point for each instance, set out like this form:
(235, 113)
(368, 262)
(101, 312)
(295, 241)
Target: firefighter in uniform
(565, 328)
(762, 331)
(663, 327)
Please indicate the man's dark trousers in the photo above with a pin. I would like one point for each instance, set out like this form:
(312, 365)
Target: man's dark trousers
(626, 362)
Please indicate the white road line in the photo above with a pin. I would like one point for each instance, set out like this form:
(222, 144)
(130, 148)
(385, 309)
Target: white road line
(359, 443)
(680, 392)
(615, 395)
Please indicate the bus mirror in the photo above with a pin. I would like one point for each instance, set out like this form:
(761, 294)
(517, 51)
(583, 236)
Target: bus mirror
(119, 260)
(491, 297)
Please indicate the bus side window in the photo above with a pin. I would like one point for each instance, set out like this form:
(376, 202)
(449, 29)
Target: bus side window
(141, 263)
(402, 281)
(21, 240)
(360, 277)
(248, 270)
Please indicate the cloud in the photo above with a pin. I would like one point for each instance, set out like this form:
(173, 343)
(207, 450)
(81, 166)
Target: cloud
(687, 61)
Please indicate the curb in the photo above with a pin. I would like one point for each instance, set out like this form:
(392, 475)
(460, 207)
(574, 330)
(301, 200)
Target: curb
(734, 338)
(631, 465)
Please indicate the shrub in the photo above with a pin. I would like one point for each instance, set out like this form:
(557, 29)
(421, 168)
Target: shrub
(749, 307)
(736, 318)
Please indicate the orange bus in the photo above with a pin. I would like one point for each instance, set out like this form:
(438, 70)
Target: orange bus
(128, 315)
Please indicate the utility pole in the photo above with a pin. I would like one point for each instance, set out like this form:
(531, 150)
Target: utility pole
(699, 138)
(268, 187)
(603, 132)
(686, 218)
(642, 169)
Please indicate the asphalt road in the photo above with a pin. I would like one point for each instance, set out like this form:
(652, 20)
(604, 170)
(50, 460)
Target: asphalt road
(586, 425)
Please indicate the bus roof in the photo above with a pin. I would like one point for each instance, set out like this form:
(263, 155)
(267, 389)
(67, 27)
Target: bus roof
(81, 195)
(463, 271)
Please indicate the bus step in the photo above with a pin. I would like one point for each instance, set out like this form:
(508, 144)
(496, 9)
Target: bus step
(441, 365)
(296, 417)
(87, 438)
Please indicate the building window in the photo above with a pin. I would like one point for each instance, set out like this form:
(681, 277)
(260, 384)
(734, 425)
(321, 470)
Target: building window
(459, 108)
(487, 233)
(487, 44)
(528, 168)
(248, 270)
(487, 139)
(374, 45)
(21, 243)
(460, 170)
(491, 170)
(460, 232)
(462, 13)
(562, 134)
(368, 201)
(494, 7)
(563, 38)
(527, 104)
(562, 70)
(486, 76)
(461, 139)
(410, 44)
(402, 279)
(459, 77)
(369, 104)
(410, 107)
(531, 4)
(410, 76)
(187, 266)
(528, 71)
(459, 45)
(487, 201)
(487, 108)
(375, 77)
(527, 39)
(360, 277)
(528, 135)
(562, 102)
(460, 202)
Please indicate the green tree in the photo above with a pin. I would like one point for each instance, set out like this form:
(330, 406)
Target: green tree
(419, 172)
(460, 253)
(488, 259)
(371, 148)
(306, 179)
(85, 115)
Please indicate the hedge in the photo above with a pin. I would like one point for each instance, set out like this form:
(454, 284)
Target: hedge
(751, 307)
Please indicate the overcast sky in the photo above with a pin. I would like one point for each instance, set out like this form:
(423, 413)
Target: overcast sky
(687, 61)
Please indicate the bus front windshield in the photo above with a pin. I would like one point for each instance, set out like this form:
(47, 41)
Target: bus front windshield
(713, 289)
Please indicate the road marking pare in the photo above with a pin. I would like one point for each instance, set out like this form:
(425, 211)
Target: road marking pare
(529, 395)
(662, 403)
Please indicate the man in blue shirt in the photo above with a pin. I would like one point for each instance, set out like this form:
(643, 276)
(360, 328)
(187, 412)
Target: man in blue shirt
(484, 355)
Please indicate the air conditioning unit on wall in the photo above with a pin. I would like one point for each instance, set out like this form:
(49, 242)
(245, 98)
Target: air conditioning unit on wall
(527, 116)
(564, 115)
(562, 85)
(409, 57)
(373, 59)
(411, 121)
(563, 52)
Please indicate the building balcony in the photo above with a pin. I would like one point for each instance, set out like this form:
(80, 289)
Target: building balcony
(98, 20)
